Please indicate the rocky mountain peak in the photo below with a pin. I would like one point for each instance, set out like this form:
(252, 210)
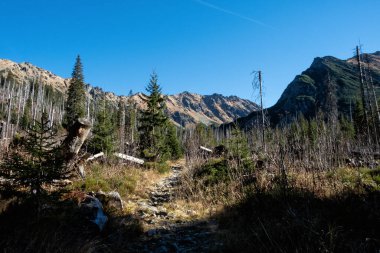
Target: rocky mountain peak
(307, 93)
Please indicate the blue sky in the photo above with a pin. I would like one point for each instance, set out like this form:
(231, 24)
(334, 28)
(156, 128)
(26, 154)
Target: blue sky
(202, 46)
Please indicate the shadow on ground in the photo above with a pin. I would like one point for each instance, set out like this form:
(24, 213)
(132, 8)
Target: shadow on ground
(60, 227)
(295, 220)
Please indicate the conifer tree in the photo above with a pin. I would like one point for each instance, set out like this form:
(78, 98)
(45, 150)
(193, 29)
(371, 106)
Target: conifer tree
(204, 135)
(172, 142)
(76, 100)
(104, 130)
(35, 160)
(153, 121)
(347, 128)
(239, 149)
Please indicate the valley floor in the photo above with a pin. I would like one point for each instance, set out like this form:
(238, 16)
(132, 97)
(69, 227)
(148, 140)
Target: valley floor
(169, 211)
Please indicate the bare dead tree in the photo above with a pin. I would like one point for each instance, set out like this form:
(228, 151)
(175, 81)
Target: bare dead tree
(373, 99)
(363, 92)
(257, 84)
(70, 147)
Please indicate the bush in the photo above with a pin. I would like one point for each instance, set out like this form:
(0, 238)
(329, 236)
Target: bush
(375, 175)
(213, 172)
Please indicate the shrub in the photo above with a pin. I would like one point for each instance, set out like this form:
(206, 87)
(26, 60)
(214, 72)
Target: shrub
(213, 172)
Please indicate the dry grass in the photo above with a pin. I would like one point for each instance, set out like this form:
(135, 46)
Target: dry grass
(130, 181)
(310, 211)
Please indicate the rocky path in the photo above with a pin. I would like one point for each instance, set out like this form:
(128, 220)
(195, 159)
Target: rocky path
(166, 231)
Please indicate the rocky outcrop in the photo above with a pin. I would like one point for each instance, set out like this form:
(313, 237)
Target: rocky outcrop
(26, 72)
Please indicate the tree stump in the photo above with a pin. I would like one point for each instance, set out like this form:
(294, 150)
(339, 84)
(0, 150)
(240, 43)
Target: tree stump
(70, 147)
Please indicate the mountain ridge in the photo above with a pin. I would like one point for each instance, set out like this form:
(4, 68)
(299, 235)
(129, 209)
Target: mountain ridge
(307, 93)
(184, 108)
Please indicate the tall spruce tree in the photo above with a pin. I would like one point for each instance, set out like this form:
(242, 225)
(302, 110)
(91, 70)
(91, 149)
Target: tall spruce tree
(76, 99)
(153, 122)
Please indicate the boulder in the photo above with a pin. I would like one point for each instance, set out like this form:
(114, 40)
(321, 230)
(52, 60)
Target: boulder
(92, 209)
(111, 200)
(115, 201)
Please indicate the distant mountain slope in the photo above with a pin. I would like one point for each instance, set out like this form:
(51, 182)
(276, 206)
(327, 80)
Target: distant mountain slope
(307, 93)
(187, 108)
(26, 72)
(184, 108)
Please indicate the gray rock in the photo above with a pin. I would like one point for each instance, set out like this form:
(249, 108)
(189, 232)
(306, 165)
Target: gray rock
(92, 209)
(115, 200)
(111, 200)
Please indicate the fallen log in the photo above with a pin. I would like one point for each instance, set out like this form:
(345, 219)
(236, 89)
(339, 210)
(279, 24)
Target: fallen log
(205, 149)
(95, 156)
(129, 158)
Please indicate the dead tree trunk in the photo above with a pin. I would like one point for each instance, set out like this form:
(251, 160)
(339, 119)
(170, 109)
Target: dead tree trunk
(262, 111)
(70, 147)
(362, 92)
